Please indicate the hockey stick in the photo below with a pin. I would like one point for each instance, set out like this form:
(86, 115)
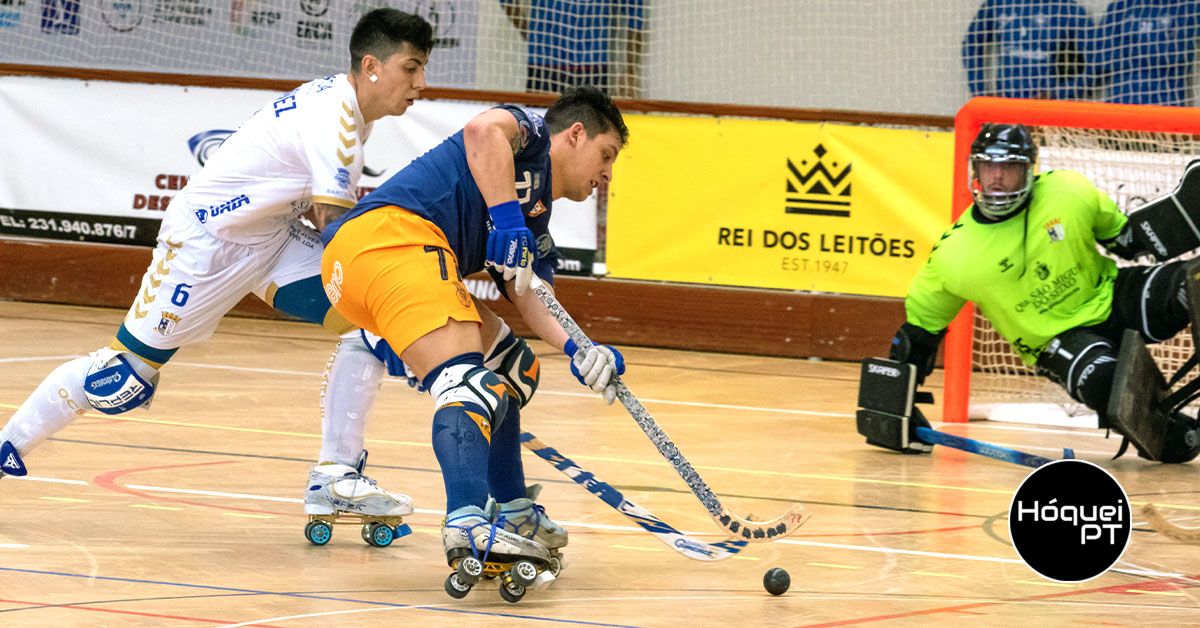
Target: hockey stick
(934, 437)
(680, 542)
(735, 526)
(1160, 523)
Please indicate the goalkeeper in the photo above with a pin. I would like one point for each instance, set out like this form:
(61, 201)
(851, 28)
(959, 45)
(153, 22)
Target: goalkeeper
(1026, 253)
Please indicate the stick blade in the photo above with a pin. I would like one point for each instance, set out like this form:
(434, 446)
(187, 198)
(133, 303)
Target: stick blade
(763, 531)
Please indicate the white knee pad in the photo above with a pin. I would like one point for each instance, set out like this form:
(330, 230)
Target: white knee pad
(466, 383)
(516, 365)
(118, 381)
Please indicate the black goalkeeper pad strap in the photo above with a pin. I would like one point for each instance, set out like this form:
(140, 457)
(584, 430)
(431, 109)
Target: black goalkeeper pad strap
(1170, 226)
(892, 432)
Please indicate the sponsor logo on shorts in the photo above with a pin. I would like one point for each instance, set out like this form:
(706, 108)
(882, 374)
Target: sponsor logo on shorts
(342, 176)
(204, 215)
(464, 297)
(333, 287)
(887, 371)
(166, 323)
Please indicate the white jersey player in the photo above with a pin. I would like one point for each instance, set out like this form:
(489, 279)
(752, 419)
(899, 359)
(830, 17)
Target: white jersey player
(235, 229)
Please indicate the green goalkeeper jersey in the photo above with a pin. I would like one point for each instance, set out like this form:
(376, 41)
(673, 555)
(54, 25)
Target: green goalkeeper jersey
(1033, 275)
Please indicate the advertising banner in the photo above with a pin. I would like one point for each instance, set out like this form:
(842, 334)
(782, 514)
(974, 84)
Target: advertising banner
(97, 161)
(776, 204)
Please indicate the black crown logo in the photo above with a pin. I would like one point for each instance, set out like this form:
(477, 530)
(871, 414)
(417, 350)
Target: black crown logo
(817, 189)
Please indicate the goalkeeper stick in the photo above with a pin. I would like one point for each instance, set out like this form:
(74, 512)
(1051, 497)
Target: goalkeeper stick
(735, 526)
(1160, 523)
(680, 542)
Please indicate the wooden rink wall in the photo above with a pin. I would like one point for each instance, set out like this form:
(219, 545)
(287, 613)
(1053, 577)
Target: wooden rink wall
(650, 314)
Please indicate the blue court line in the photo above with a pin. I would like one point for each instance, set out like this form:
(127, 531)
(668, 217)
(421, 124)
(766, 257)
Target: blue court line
(296, 595)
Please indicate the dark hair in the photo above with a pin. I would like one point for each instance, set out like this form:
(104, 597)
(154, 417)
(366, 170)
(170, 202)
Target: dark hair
(383, 32)
(588, 105)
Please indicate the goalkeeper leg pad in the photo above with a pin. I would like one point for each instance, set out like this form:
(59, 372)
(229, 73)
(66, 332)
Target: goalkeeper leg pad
(1170, 226)
(1134, 407)
(887, 416)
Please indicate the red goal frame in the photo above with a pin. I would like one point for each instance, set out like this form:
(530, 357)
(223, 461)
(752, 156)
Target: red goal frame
(1060, 113)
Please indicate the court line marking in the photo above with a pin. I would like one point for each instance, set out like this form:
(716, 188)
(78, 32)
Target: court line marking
(313, 596)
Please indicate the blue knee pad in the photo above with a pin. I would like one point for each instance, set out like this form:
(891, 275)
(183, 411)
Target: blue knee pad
(112, 384)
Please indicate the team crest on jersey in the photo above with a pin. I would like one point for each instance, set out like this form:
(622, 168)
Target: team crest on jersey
(1043, 271)
(537, 210)
(1056, 230)
(167, 323)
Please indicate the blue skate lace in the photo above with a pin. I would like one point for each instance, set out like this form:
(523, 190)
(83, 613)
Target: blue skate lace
(491, 537)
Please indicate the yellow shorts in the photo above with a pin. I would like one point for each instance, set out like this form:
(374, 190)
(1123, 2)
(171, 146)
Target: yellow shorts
(392, 273)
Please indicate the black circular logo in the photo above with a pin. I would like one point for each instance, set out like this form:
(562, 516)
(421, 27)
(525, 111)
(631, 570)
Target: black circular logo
(1070, 520)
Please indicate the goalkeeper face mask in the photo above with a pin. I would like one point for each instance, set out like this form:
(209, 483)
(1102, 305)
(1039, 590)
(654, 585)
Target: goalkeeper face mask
(1003, 161)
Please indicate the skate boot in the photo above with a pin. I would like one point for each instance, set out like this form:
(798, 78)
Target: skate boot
(338, 494)
(525, 518)
(10, 461)
(477, 548)
(1182, 439)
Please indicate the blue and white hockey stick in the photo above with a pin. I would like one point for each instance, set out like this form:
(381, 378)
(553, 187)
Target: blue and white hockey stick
(934, 437)
(680, 542)
(735, 526)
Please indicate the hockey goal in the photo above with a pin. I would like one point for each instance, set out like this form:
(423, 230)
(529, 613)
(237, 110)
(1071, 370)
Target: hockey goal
(1135, 153)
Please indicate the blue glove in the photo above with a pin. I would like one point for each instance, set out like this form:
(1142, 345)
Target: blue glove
(596, 369)
(510, 245)
(395, 366)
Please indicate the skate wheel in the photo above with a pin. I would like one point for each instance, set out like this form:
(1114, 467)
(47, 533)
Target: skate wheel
(402, 530)
(556, 565)
(318, 532)
(469, 569)
(1191, 438)
(511, 592)
(378, 534)
(523, 573)
(456, 588)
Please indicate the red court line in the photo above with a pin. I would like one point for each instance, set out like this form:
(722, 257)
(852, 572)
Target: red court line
(1162, 584)
(118, 612)
(109, 481)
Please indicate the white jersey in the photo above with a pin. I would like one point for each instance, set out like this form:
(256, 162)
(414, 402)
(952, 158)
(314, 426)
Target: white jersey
(302, 148)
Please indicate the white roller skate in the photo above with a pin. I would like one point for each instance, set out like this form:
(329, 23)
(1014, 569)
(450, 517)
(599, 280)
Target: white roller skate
(526, 518)
(338, 494)
(477, 548)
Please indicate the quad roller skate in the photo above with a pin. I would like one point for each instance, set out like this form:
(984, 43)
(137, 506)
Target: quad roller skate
(341, 495)
(478, 549)
(525, 518)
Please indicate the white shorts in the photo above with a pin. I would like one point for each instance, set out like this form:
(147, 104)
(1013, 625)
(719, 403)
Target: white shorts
(194, 279)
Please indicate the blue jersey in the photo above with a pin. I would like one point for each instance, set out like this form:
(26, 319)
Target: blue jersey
(439, 187)
(1146, 49)
(571, 33)
(1041, 49)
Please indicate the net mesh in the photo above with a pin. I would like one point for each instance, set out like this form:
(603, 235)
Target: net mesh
(1133, 168)
(919, 56)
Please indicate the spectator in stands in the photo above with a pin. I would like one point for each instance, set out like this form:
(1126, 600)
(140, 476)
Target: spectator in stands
(1145, 49)
(1039, 49)
(576, 42)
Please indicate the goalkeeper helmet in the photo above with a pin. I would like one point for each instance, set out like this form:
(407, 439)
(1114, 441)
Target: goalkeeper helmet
(1002, 143)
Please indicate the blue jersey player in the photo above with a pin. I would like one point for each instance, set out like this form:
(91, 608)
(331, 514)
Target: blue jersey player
(394, 266)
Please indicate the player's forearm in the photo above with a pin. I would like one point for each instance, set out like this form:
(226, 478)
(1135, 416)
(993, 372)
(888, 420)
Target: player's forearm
(539, 319)
(490, 148)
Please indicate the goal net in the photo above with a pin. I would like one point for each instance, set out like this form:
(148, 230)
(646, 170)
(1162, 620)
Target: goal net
(1136, 154)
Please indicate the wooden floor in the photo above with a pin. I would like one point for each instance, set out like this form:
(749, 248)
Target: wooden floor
(189, 513)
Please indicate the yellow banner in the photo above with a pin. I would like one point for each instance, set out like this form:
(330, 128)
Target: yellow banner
(776, 204)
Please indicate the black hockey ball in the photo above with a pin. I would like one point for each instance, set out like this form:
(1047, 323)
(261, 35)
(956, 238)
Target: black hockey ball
(776, 581)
